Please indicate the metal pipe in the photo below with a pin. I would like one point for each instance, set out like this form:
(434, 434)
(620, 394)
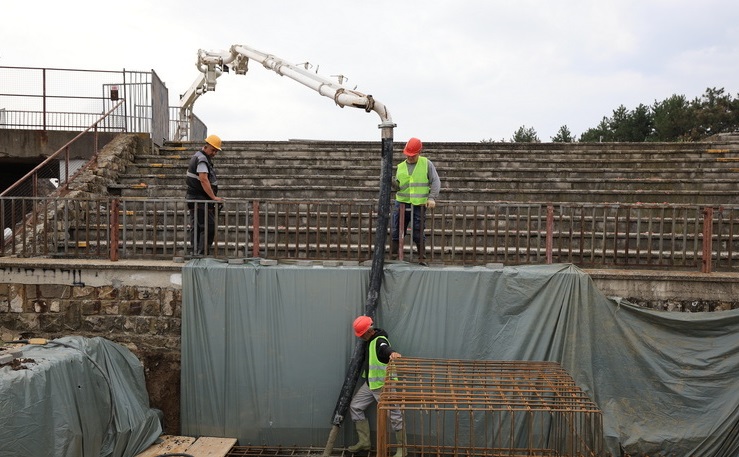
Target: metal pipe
(378, 260)
(211, 65)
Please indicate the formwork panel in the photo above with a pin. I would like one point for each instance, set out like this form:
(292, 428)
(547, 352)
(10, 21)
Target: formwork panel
(487, 408)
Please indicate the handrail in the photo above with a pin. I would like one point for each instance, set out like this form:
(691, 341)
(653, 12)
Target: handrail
(589, 235)
(64, 149)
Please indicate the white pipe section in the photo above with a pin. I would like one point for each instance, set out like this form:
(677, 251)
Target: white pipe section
(211, 63)
(341, 95)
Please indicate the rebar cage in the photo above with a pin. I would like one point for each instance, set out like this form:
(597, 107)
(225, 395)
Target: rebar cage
(487, 408)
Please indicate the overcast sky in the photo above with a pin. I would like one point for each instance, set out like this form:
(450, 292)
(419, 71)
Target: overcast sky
(457, 70)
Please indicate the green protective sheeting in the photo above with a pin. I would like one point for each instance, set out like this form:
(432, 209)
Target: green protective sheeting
(266, 349)
(79, 397)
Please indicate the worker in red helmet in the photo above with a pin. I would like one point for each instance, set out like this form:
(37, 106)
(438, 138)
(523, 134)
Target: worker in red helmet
(202, 191)
(379, 354)
(417, 187)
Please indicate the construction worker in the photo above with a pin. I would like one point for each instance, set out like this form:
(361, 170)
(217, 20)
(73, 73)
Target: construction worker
(417, 187)
(202, 184)
(379, 354)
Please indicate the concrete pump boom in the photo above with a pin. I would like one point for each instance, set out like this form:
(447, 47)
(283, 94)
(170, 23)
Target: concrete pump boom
(213, 64)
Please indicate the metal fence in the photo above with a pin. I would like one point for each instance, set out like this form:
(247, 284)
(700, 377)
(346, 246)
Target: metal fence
(34, 98)
(682, 237)
(64, 99)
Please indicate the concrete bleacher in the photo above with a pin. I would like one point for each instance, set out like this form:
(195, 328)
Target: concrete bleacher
(684, 173)
(493, 201)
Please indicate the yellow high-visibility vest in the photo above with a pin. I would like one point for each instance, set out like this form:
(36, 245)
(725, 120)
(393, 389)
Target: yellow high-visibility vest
(413, 189)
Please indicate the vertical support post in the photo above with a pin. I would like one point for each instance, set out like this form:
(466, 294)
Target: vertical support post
(66, 168)
(401, 230)
(43, 98)
(255, 228)
(707, 239)
(550, 232)
(114, 226)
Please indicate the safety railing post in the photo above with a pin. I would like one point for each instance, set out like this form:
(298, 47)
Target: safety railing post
(401, 231)
(114, 229)
(550, 232)
(255, 229)
(707, 253)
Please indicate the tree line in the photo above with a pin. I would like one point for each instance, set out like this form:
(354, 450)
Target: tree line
(671, 120)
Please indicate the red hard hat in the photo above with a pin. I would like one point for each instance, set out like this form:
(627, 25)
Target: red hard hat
(361, 325)
(413, 147)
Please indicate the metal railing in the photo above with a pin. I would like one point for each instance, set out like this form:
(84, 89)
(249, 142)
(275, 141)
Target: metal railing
(29, 184)
(683, 237)
(33, 98)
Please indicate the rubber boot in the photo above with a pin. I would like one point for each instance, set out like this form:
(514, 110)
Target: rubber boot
(421, 251)
(363, 430)
(394, 249)
(402, 442)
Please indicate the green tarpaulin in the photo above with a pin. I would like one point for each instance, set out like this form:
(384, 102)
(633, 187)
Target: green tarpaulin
(75, 397)
(265, 349)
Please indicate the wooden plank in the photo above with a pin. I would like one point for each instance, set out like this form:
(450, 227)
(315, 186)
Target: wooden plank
(170, 444)
(207, 446)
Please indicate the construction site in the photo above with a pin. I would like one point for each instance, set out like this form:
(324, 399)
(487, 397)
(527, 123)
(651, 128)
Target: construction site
(566, 299)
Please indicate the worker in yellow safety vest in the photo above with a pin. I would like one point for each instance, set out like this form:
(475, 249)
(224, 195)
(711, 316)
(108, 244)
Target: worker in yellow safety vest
(379, 354)
(417, 186)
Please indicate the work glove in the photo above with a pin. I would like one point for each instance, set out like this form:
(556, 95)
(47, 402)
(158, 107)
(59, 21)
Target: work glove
(430, 203)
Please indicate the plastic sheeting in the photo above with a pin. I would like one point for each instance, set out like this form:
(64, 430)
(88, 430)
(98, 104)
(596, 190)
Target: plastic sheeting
(265, 349)
(79, 397)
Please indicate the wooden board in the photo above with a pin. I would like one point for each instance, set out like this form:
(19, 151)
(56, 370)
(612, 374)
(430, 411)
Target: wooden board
(170, 444)
(205, 446)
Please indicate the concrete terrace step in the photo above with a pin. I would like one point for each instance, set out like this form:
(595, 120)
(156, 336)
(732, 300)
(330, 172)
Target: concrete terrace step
(323, 151)
(451, 183)
(280, 175)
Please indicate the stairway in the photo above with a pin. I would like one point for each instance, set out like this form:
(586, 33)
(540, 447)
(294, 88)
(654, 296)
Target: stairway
(681, 173)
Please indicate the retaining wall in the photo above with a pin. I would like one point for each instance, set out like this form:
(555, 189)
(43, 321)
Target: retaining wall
(139, 304)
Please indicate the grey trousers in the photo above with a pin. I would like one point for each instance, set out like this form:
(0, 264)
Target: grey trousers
(365, 397)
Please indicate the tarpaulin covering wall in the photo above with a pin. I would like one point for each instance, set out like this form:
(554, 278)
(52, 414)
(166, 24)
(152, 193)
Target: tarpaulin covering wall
(266, 349)
(76, 397)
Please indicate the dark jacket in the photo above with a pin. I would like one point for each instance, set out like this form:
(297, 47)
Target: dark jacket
(194, 188)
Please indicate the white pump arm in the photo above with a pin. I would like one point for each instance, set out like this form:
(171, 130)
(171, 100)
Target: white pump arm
(214, 63)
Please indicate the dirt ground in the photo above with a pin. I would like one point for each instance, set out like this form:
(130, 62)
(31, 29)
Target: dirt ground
(162, 371)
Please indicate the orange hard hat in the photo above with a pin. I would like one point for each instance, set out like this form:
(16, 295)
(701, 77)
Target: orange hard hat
(361, 325)
(214, 140)
(413, 147)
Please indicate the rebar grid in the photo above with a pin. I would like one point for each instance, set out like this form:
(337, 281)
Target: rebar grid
(289, 451)
(487, 408)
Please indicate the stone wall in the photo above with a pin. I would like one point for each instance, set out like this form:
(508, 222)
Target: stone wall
(137, 305)
(111, 162)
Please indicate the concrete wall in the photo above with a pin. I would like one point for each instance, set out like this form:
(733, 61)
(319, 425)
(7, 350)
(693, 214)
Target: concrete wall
(36, 145)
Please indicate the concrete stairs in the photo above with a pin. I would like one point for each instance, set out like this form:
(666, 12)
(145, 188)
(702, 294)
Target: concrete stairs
(683, 173)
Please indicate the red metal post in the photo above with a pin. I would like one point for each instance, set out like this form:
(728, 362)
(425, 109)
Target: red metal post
(255, 229)
(550, 232)
(707, 254)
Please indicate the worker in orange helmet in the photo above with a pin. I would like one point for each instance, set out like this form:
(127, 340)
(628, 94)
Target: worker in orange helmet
(202, 184)
(379, 354)
(417, 186)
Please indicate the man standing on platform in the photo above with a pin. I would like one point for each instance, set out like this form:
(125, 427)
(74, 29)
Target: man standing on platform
(202, 185)
(418, 187)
